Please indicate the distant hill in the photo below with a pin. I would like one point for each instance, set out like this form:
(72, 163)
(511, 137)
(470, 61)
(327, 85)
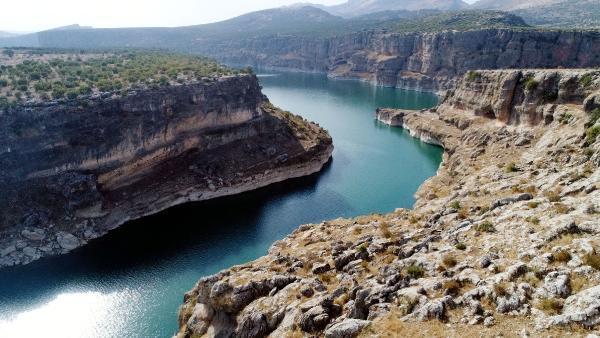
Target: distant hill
(550, 13)
(6, 34)
(354, 8)
(298, 21)
(511, 5)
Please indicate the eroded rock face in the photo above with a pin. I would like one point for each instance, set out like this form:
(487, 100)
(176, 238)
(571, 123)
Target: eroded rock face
(74, 170)
(428, 61)
(505, 235)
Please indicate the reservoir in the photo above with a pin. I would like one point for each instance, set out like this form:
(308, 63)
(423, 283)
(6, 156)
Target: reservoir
(131, 282)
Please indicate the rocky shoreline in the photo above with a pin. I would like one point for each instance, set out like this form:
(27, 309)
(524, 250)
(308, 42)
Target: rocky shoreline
(505, 239)
(73, 171)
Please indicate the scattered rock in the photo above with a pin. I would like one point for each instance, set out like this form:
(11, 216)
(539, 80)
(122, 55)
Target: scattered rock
(348, 328)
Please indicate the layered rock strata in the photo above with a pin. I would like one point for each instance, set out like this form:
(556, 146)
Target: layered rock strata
(74, 170)
(424, 61)
(505, 239)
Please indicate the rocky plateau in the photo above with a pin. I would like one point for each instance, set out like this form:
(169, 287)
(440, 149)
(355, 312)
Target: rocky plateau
(503, 241)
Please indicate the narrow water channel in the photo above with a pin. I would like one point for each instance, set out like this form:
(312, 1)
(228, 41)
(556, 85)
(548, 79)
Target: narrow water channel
(131, 282)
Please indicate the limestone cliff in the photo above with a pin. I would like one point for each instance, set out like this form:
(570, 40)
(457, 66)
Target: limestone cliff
(504, 240)
(430, 61)
(74, 170)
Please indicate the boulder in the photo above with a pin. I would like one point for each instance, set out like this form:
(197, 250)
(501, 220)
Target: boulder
(321, 268)
(67, 241)
(348, 328)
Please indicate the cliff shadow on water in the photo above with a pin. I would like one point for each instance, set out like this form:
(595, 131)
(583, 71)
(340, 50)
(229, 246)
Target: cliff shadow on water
(169, 239)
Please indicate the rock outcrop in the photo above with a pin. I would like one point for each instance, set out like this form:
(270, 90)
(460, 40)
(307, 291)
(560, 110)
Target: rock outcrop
(505, 239)
(425, 61)
(74, 170)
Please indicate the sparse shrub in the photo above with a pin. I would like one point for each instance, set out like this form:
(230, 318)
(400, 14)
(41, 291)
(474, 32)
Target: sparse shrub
(460, 246)
(362, 248)
(473, 75)
(486, 226)
(454, 205)
(415, 271)
(561, 256)
(511, 168)
(533, 205)
(586, 80)
(531, 84)
(533, 220)
(594, 117)
(565, 118)
(550, 305)
(449, 261)
(593, 260)
(592, 133)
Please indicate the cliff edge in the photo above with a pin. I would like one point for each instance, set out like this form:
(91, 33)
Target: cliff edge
(505, 239)
(72, 170)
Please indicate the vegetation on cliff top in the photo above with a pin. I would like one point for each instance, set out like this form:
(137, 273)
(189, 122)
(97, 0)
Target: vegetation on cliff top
(39, 75)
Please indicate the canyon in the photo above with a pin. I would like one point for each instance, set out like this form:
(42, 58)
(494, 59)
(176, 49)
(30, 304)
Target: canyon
(423, 61)
(73, 170)
(504, 239)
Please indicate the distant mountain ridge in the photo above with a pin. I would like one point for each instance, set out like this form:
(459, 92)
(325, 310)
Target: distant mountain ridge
(354, 8)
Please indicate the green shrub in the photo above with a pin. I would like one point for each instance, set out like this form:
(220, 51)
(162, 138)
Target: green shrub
(486, 226)
(454, 205)
(415, 271)
(592, 134)
(511, 167)
(531, 84)
(473, 75)
(586, 80)
(460, 246)
(565, 118)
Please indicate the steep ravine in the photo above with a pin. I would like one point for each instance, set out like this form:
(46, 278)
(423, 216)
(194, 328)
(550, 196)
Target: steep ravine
(505, 239)
(425, 61)
(74, 170)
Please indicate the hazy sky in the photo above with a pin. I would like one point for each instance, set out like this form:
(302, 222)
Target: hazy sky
(35, 15)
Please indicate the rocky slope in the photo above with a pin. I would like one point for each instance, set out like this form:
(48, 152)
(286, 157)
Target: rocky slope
(504, 240)
(72, 170)
(430, 61)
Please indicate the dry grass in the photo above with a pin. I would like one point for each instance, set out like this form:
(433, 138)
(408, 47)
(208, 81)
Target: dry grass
(501, 289)
(561, 256)
(550, 305)
(593, 260)
(452, 287)
(449, 261)
(561, 208)
(384, 229)
(553, 195)
(578, 283)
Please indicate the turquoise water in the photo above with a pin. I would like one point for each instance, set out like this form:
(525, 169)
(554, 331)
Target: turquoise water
(131, 282)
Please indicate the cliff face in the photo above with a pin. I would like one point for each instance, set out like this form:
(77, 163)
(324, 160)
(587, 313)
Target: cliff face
(505, 239)
(429, 61)
(74, 170)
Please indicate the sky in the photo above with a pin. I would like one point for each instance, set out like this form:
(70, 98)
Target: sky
(36, 15)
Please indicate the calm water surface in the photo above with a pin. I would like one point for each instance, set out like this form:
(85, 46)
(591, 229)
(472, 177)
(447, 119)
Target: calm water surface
(131, 282)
